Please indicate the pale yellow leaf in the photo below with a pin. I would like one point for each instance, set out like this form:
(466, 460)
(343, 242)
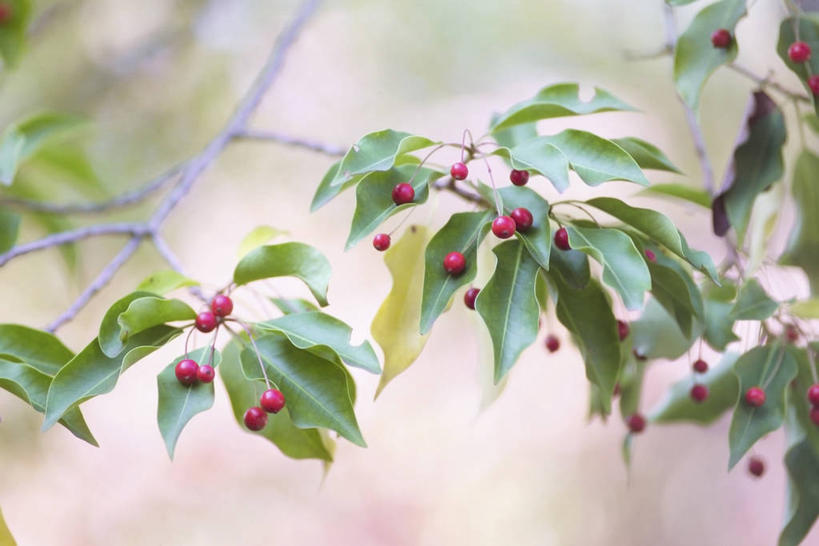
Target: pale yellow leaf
(257, 237)
(5, 535)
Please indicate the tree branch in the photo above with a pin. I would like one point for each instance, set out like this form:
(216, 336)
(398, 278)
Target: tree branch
(766, 82)
(256, 134)
(447, 183)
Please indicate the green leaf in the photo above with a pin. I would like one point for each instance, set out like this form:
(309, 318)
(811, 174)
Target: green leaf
(13, 33)
(5, 535)
(674, 289)
(518, 134)
(91, 373)
(771, 367)
(803, 245)
(647, 155)
(40, 350)
(286, 260)
(695, 58)
(630, 381)
(22, 139)
(700, 260)
(806, 309)
(541, 157)
(680, 191)
(649, 222)
(289, 306)
(562, 99)
(377, 152)
(753, 303)
(177, 403)
(723, 391)
(656, 334)
(508, 305)
(315, 388)
(9, 229)
(162, 282)
(326, 191)
(802, 464)
(596, 159)
(679, 2)
(142, 313)
(623, 266)
(538, 238)
(719, 322)
(257, 237)
(395, 326)
(462, 233)
(572, 265)
(805, 28)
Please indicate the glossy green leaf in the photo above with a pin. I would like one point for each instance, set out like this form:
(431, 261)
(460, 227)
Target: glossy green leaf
(326, 191)
(13, 32)
(753, 303)
(562, 99)
(289, 306)
(695, 58)
(656, 334)
(679, 191)
(700, 260)
(803, 245)
(377, 152)
(517, 134)
(596, 159)
(286, 260)
(806, 309)
(39, 349)
(162, 282)
(142, 313)
(649, 222)
(9, 229)
(572, 265)
(802, 464)
(674, 289)
(805, 28)
(462, 233)
(540, 157)
(257, 237)
(719, 322)
(630, 381)
(647, 155)
(538, 238)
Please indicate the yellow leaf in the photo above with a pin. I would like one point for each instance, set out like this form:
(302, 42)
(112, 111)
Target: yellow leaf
(257, 237)
(5, 535)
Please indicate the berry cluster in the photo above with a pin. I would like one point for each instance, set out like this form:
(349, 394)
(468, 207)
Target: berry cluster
(271, 401)
(699, 392)
(189, 371)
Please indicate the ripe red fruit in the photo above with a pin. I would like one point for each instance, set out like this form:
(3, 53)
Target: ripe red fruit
(562, 239)
(636, 423)
(381, 242)
(813, 83)
(469, 297)
(519, 178)
(814, 416)
(255, 418)
(5, 13)
(523, 218)
(755, 397)
(813, 395)
(700, 366)
(799, 52)
(503, 227)
(205, 321)
(622, 329)
(699, 393)
(221, 305)
(552, 343)
(272, 400)
(403, 193)
(756, 467)
(205, 374)
(459, 171)
(791, 333)
(650, 255)
(454, 263)
(721, 38)
(186, 371)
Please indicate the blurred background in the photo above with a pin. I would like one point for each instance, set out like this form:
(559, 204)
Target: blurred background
(158, 78)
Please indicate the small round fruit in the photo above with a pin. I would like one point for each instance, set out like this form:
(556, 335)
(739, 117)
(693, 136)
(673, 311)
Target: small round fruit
(272, 400)
(699, 393)
(562, 239)
(650, 256)
(459, 171)
(721, 38)
(186, 371)
(206, 373)
(5, 13)
(523, 218)
(791, 333)
(205, 321)
(381, 242)
(519, 178)
(552, 343)
(700, 366)
(799, 52)
(454, 263)
(814, 416)
(755, 397)
(403, 193)
(255, 418)
(622, 329)
(813, 84)
(221, 305)
(813, 395)
(636, 423)
(503, 227)
(470, 296)
(756, 467)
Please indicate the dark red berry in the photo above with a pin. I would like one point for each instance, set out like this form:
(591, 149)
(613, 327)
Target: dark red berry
(459, 171)
(272, 400)
(469, 297)
(503, 227)
(186, 371)
(721, 38)
(636, 423)
(699, 393)
(523, 218)
(519, 178)
(403, 193)
(205, 374)
(381, 242)
(205, 321)
(813, 395)
(221, 305)
(650, 255)
(454, 263)
(562, 239)
(791, 333)
(255, 418)
(814, 416)
(799, 52)
(756, 467)
(755, 397)
(5, 13)
(813, 83)
(552, 343)
(622, 329)
(700, 366)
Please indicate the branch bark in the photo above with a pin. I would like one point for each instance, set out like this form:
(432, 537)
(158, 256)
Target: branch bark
(273, 136)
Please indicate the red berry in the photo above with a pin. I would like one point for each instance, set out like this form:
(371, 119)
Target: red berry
(454, 263)
(255, 418)
(813, 395)
(221, 305)
(650, 255)
(205, 321)
(381, 242)
(205, 374)
(403, 193)
(552, 343)
(636, 423)
(186, 371)
(519, 178)
(721, 38)
(622, 329)
(503, 227)
(5, 13)
(799, 52)
(700, 366)
(459, 171)
(469, 297)
(814, 416)
(791, 333)
(755, 397)
(756, 467)
(562, 239)
(699, 393)
(272, 400)
(523, 218)
(813, 83)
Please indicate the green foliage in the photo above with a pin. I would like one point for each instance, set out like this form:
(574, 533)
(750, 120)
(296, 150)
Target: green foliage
(13, 32)
(675, 290)
(141, 314)
(656, 334)
(596, 159)
(806, 29)
(539, 156)
(538, 238)
(753, 303)
(719, 321)
(647, 155)
(9, 229)
(5, 535)
(680, 191)
(803, 246)
(257, 237)
(377, 151)
(162, 282)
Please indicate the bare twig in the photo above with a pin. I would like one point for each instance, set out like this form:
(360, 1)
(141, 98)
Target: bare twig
(768, 83)
(448, 183)
(282, 138)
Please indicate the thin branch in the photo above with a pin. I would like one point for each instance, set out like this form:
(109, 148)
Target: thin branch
(258, 134)
(169, 256)
(448, 184)
(768, 83)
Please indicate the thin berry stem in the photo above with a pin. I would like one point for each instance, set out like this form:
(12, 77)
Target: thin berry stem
(494, 188)
(213, 346)
(187, 339)
(255, 348)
